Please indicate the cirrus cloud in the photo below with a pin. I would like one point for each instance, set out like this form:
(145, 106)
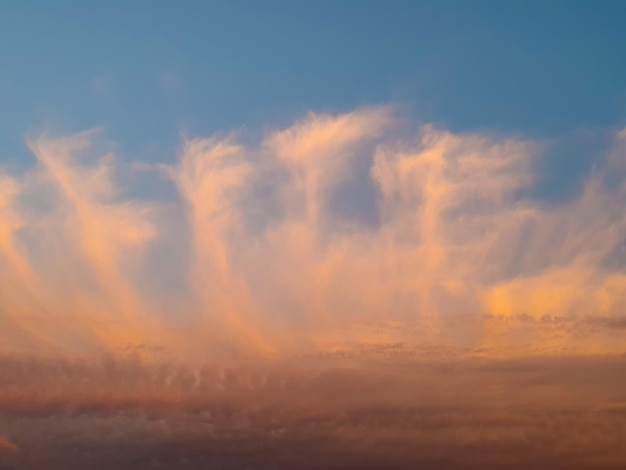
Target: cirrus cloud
(271, 267)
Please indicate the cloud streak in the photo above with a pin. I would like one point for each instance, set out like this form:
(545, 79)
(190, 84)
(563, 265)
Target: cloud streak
(270, 266)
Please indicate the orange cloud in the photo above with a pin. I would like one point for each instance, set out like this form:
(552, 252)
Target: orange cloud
(268, 264)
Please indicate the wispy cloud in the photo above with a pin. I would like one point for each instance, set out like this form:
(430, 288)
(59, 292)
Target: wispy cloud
(245, 320)
(271, 267)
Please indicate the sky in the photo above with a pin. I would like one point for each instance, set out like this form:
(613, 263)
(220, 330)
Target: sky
(312, 235)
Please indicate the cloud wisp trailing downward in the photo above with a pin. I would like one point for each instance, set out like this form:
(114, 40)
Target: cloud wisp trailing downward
(342, 293)
(274, 256)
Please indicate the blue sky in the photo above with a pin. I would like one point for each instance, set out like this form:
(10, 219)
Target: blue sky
(148, 70)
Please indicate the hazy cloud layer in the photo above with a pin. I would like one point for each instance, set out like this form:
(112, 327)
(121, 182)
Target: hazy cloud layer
(313, 413)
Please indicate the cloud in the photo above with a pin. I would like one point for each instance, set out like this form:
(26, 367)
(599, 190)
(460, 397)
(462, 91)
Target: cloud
(7, 446)
(324, 413)
(458, 254)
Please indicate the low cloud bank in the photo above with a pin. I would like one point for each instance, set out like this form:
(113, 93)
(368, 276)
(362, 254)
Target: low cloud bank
(315, 413)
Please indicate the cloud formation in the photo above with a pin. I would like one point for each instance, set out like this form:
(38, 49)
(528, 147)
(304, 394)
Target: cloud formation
(551, 413)
(343, 293)
(273, 260)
